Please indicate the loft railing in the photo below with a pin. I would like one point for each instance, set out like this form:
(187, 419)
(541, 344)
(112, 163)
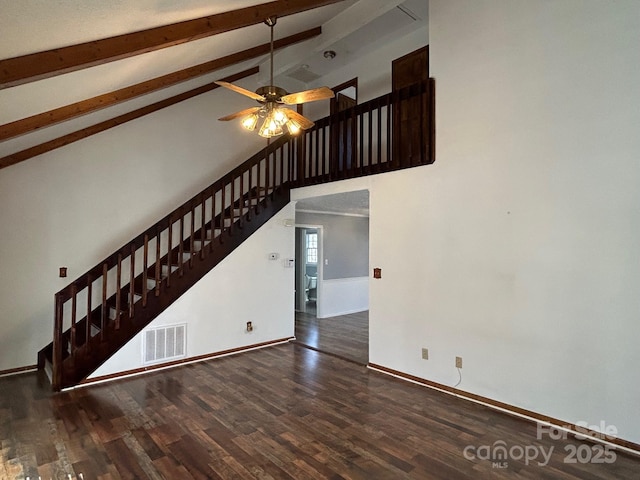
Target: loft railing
(107, 303)
(394, 131)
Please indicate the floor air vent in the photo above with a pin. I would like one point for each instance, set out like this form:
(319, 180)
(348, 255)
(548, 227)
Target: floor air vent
(164, 343)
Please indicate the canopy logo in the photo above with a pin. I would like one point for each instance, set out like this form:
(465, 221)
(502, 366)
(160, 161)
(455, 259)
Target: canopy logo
(500, 454)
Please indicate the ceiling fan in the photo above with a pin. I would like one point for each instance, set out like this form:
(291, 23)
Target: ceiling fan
(272, 100)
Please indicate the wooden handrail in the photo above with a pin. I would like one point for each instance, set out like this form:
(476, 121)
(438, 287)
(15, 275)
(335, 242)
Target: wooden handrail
(358, 141)
(137, 242)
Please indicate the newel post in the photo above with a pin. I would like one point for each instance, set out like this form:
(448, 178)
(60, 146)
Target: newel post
(56, 380)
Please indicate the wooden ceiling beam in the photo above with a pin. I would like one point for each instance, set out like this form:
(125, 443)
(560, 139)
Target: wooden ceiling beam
(45, 147)
(57, 115)
(28, 68)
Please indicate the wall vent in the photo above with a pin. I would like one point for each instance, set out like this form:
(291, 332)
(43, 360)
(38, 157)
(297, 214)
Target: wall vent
(164, 343)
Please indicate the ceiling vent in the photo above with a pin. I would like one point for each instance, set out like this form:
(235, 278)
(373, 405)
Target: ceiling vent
(303, 75)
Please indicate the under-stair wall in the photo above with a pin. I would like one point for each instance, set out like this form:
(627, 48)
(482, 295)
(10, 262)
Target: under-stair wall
(215, 321)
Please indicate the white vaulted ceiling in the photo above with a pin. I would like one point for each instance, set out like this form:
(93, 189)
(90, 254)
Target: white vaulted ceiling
(26, 27)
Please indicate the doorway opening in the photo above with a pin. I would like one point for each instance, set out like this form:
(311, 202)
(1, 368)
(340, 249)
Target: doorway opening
(308, 268)
(332, 274)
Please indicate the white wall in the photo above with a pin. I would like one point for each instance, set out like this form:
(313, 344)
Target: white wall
(75, 205)
(245, 286)
(531, 210)
(517, 249)
(341, 296)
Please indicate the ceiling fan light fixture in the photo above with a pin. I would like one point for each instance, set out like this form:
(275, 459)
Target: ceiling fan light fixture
(279, 116)
(293, 127)
(274, 116)
(271, 127)
(250, 122)
(265, 131)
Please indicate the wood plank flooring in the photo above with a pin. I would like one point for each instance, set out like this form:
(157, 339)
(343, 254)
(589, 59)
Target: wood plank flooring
(346, 336)
(284, 412)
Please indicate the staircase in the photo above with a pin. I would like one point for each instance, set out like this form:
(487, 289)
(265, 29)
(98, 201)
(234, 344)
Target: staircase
(100, 311)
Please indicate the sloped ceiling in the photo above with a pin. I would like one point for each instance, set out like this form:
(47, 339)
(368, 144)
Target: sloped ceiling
(348, 27)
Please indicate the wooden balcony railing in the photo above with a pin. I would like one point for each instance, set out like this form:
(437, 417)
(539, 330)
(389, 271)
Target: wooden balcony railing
(394, 131)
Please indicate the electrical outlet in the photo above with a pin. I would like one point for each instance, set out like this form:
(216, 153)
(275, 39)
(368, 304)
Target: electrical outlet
(458, 362)
(425, 354)
(249, 327)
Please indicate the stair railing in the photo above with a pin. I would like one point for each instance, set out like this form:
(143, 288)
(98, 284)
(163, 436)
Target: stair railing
(104, 302)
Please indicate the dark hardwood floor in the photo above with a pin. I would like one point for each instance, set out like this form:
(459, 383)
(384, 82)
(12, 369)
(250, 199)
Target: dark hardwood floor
(346, 336)
(285, 412)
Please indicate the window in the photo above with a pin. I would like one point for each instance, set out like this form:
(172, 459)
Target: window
(312, 248)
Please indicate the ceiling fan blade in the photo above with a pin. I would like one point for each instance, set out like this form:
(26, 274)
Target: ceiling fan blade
(304, 122)
(241, 113)
(240, 90)
(321, 93)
